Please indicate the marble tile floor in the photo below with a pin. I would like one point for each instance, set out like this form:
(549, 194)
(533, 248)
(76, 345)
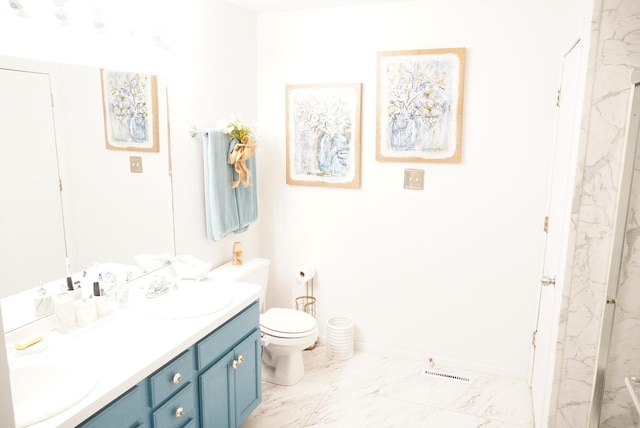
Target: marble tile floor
(371, 390)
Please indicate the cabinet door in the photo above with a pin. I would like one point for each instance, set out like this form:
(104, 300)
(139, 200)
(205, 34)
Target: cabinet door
(248, 390)
(216, 394)
(230, 389)
(125, 412)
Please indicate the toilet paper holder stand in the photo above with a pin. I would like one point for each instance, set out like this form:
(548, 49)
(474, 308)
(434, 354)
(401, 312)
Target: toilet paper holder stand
(307, 303)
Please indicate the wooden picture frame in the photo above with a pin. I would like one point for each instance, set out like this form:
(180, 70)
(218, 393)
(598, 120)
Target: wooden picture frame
(323, 134)
(130, 105)
(419, 105)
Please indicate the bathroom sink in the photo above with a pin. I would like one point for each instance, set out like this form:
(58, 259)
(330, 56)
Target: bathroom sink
(191, 299)
(41, 389)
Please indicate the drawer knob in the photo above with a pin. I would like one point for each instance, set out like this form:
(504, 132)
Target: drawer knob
(177, 378)
(179, 412)
(237, 362)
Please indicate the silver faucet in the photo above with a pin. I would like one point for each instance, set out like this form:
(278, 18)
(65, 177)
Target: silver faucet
(158, 287)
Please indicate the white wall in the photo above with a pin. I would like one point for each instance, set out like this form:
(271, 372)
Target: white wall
(451, 271)
(213, 76)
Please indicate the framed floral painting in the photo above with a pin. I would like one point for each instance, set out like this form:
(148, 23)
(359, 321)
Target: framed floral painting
(323, 134)
(130, 104)
(419, 103)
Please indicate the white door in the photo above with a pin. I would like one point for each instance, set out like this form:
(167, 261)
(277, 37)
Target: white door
(558, 215)
(30, 209)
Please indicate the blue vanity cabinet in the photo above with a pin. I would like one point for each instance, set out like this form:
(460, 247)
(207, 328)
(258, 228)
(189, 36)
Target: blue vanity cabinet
(214, 383)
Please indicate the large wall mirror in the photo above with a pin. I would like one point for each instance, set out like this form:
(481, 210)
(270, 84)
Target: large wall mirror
(52, 135)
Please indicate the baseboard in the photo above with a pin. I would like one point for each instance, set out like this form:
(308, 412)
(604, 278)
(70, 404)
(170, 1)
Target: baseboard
(437, 360)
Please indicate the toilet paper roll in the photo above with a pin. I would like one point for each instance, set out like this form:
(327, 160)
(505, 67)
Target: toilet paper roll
(305, 272)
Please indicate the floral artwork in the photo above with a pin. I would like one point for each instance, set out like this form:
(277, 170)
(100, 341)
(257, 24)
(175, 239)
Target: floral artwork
(130, 110)
(420, 96)
(323, 134)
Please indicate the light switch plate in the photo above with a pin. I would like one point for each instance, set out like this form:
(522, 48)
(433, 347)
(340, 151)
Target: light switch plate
(135, 164)
(414, 179)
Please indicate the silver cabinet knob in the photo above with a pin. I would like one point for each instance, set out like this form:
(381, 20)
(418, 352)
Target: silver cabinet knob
(177, 378)
(547, 280)
(179, 412)
(235, 363)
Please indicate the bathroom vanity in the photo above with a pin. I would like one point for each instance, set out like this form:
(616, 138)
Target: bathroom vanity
(157, 372)
(214, 383)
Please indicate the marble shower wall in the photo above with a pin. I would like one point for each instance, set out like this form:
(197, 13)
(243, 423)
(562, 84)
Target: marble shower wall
(614, 53)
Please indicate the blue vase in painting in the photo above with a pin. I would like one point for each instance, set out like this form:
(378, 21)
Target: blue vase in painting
(138, 128)
(333, 155)
(403, 132)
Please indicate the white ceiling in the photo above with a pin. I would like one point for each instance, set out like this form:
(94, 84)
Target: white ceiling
(259, 6)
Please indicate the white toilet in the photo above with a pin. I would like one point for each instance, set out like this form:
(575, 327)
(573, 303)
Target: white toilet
(285, 332)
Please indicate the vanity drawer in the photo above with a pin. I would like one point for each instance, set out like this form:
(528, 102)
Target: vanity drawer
(171, 377)
(178, 411)
(125, 411)
(225, 337)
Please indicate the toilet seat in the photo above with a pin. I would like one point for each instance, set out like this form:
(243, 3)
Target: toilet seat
(287, 323)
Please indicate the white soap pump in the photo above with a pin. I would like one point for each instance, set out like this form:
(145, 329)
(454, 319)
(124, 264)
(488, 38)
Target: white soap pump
(42, 303)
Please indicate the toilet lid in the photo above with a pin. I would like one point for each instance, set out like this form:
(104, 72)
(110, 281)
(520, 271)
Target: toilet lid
(287, 322)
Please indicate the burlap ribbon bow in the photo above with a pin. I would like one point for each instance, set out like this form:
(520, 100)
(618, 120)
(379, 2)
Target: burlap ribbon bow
(239, 155)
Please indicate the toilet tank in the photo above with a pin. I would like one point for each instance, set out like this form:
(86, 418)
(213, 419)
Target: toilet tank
(252, 270)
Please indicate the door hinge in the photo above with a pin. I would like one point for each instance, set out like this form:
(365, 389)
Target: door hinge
(60, 184)
(53, 101)
(533, 338)
(558, 97)
(546, 224)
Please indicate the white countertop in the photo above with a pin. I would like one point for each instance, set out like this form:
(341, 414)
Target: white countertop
(127, 346)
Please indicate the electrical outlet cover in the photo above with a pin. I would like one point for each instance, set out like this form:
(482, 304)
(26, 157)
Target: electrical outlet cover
(135, 164)
(414, 179)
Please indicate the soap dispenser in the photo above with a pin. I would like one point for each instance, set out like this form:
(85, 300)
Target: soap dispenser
(42, 303)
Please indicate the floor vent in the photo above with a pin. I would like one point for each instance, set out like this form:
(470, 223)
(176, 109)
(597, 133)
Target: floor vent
(435, 373)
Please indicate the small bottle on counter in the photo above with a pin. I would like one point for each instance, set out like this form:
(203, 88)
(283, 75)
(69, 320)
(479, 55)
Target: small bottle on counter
(237, 253)
(42, 303)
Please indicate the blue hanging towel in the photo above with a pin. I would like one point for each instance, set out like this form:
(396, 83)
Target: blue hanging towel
(227, 210)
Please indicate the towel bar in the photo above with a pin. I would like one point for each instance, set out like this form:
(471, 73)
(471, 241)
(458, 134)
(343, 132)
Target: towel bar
(193, 131)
